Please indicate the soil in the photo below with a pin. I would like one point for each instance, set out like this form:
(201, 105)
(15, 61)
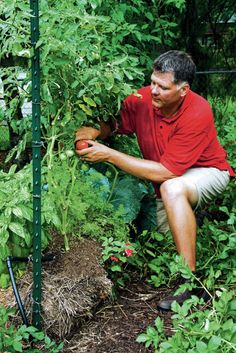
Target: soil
(114, 324)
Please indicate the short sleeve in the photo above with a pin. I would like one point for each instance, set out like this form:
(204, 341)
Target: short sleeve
(126, 123)
(188, 144)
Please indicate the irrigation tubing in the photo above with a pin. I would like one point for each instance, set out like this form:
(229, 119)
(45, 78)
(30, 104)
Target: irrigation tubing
(15, 289)
(11, 259)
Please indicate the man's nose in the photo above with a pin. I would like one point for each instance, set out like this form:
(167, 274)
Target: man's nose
(155, 89)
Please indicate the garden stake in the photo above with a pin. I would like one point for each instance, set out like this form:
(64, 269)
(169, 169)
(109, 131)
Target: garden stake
(36, 153)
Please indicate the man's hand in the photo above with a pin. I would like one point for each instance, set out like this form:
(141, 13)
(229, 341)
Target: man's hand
(87, 133)
(96, 152)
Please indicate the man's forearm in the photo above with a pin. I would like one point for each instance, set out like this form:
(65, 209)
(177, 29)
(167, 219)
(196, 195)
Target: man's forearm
(141, 168)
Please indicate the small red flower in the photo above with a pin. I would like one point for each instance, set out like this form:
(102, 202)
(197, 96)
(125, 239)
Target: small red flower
(128, 252)
(114, 258)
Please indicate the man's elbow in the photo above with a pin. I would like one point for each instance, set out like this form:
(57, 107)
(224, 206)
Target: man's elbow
(163, 174)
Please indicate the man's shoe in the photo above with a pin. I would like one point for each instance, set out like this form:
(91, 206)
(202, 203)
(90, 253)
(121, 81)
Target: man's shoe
(165, 303)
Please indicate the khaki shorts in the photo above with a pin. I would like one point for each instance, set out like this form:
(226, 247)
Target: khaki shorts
(209, 182)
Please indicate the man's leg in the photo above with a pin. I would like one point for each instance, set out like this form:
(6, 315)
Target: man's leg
(179, 195)
(196, 187)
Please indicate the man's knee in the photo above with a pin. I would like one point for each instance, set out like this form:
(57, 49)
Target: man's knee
(178, 187)
(171, 189)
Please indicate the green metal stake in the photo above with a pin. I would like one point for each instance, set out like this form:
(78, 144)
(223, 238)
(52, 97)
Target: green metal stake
(36, 151)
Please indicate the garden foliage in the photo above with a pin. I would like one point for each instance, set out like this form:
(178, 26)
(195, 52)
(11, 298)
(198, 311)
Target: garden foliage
(93, 54)
(13, 339)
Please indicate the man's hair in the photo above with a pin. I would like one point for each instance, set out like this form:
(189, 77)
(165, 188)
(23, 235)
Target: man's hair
(178, 62)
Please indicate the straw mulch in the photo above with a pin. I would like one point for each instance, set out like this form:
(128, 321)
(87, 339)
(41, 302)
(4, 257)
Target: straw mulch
(73, 285)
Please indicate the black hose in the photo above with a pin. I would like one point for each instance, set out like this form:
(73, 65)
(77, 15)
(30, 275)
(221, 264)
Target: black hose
(45, 258)
(15, 290)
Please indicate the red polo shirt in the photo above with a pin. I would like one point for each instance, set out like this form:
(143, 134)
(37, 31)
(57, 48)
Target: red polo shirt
(185, 140)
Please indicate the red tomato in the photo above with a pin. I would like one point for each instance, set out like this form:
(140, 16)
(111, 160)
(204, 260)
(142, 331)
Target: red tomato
(81, 144)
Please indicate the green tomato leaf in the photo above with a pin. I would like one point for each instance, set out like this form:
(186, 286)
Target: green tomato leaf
(89, 101)
(86, 109)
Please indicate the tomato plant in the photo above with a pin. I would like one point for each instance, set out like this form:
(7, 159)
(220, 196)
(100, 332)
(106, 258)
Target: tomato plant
(89, 66)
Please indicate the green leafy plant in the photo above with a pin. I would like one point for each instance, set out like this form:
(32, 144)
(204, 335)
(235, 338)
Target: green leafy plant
(80, 195)
(153, 335)
(116, 256)
(198, 327)
(16, 217)
(87, 67)
(208, 330)
(224, 110)
(18, 339)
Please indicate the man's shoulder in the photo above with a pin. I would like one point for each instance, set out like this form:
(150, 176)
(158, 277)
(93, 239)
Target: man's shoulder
(140, 94)
(140, 97)
(196, 112)
(195, 98)
(196, 105)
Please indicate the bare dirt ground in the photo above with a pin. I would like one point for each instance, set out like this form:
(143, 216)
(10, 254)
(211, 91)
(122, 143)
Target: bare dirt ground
(116, 325)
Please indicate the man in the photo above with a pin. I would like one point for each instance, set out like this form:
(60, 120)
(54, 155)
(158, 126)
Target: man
(182, 156)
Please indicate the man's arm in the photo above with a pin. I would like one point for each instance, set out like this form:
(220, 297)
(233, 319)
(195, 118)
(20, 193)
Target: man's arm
(141, 168)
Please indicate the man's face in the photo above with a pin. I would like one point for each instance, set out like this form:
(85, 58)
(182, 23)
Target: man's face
(166, 95)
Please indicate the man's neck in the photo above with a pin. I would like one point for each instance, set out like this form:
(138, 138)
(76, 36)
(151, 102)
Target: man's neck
(170, 111)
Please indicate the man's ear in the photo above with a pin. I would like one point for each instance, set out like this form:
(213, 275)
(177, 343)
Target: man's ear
(184, 89)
